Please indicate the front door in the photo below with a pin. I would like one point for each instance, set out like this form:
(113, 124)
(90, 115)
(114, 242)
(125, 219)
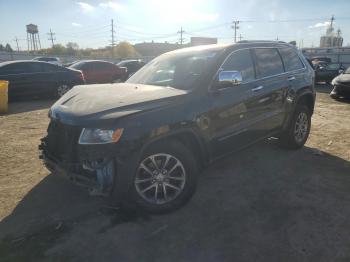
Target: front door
(233, 109)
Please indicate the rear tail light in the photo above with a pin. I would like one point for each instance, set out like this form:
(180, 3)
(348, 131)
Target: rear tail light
(81, 76)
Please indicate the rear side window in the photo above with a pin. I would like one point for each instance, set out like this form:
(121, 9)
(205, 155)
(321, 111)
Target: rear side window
(268, 62)
(102, 66)
(17, 68)
(35, 68)
(291, 59)
(241, 61)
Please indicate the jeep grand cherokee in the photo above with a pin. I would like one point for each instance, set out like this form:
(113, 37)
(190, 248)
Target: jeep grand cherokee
(143, 142)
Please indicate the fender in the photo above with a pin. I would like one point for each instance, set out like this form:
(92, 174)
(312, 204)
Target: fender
(294, 100)
(177, 133)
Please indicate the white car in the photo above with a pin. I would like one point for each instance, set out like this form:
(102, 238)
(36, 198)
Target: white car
(52, 60)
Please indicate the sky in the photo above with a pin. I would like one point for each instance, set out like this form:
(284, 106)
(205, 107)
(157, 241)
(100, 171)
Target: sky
(88, 22)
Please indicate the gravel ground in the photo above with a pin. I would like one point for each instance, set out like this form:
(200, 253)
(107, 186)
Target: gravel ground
(261, 204)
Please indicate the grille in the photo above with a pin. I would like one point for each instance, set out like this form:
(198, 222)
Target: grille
(62, 141)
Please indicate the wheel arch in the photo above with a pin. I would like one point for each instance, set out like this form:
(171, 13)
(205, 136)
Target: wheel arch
(308, 99)
(189, 138)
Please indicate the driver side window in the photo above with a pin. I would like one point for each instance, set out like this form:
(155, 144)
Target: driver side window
(242, 62)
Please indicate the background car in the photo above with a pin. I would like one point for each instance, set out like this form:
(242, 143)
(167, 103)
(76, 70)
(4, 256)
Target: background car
(341, 85)
(132, 66)
(318, 59)
(100, 72)
(326, 72)
(52, 60)
(33, 78)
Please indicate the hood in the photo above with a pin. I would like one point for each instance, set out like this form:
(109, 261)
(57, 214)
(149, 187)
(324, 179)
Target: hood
(343, 79)
(88, 103)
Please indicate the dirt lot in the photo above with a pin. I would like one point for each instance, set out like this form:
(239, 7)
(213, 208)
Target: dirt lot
(262, 204)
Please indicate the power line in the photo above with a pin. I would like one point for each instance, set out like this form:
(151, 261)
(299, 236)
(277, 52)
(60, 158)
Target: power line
(51, 38)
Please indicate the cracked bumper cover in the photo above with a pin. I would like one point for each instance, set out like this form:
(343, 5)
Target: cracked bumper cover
(83, 172)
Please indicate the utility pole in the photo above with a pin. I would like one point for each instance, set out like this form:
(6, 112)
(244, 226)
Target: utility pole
(16, 39)
(332, 21)
(182, 40)
(51, 38)
(235, 27)
(113, 40)
(240, 37)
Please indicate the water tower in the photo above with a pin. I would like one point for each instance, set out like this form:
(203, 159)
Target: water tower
(33, 38)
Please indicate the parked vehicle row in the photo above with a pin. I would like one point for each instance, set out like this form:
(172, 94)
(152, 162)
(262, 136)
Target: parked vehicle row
(143, 142)
(332, 73)
(33, 78)
(43, 76)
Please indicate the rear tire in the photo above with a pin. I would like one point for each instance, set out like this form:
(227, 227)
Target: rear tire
(298, 130)
(165, 179)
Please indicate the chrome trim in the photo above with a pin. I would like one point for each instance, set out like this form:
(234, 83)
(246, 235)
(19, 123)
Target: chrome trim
(257, 88)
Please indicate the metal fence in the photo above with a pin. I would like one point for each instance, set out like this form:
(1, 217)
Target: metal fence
(339, 55)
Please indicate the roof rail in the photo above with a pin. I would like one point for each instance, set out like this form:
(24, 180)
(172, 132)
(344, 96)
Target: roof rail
(260, 41)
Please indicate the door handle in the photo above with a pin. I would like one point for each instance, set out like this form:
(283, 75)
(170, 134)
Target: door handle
(256, 89)
(291, 78)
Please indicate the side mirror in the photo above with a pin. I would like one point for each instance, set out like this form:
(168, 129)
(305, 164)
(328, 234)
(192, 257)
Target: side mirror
(341, 71)
(229, 79)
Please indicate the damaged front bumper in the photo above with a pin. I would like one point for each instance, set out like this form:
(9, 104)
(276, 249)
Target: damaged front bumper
(96, 172)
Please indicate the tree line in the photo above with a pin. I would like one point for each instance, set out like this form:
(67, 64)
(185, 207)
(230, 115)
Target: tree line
(6, 48)
(121, 50)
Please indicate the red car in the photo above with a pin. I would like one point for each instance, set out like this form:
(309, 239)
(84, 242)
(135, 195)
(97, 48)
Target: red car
(99, 72)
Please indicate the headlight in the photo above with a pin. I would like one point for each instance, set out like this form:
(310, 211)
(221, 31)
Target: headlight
(100, 136)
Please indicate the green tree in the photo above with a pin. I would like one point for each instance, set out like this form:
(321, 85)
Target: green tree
(2, 48)
(8, 48)
(124, 50)
(57, 49)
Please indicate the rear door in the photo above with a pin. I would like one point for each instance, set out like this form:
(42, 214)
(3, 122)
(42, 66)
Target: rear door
(270, 89)
(37, 78)
(295, 71)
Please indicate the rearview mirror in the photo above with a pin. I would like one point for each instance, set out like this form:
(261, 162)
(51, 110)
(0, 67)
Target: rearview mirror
(229, 78)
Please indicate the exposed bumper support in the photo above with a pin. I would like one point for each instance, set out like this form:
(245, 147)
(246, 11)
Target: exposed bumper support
(98, 179)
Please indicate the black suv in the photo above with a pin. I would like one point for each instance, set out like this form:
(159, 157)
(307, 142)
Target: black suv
(143, 142)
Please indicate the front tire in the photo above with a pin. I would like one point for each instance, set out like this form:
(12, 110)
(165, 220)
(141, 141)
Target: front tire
(298, 130)
(165, 178)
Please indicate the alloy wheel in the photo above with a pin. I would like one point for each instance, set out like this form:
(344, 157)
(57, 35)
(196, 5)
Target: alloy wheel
(301, 127)
(160, 178)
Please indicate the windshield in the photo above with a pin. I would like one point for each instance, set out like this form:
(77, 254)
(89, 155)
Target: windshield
(179, 70)
(122, 63)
